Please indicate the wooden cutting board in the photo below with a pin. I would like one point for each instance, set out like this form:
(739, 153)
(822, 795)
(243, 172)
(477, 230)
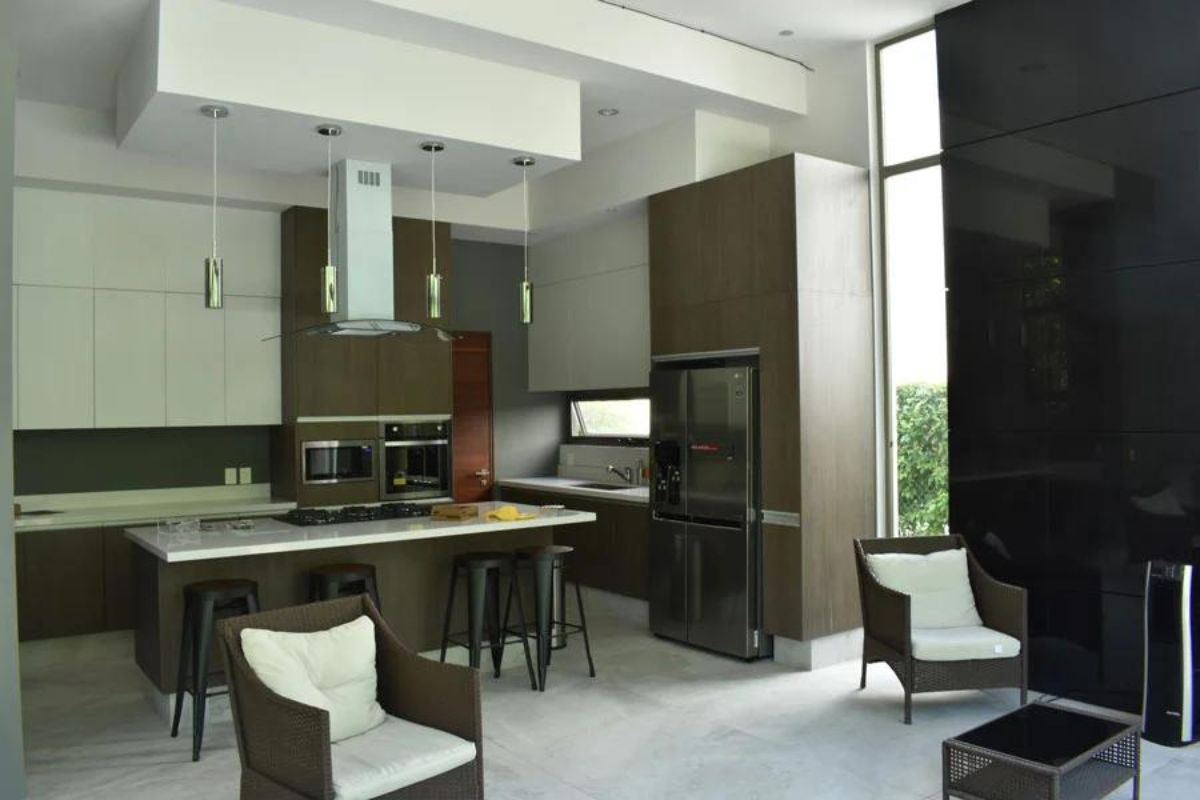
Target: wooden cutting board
(455, 511)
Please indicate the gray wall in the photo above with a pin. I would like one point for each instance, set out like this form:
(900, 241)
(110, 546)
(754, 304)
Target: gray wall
(12, 762)
(48, 462)
(483, 297)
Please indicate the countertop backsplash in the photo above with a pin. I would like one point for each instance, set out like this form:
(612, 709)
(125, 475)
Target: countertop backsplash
(590, 462)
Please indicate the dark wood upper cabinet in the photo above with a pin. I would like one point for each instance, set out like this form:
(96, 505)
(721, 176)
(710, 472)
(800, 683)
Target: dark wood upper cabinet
(776, 257)
(415, 371)
(352, 376)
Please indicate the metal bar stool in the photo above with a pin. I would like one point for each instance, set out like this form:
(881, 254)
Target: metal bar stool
(546, 563)
(201, 603)
(483, 572)
(340, 580)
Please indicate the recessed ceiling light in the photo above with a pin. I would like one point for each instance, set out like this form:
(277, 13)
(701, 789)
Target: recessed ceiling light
(787, 32)
(609, 112)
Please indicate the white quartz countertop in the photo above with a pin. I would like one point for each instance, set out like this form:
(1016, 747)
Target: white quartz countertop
(573, 486)
(273, 536)
(119, 516)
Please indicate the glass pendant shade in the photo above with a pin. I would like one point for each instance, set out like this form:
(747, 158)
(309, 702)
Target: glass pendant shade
(526, 303)
(433, 294)
(213, 286)
(214, 265)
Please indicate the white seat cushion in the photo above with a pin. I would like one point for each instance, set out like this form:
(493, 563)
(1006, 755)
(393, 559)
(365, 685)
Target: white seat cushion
(393, 755)
(938, 584)
(962, 644)
(333, 670)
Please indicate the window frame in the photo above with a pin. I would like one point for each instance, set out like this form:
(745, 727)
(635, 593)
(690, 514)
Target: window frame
(602, 394)
(882, 173)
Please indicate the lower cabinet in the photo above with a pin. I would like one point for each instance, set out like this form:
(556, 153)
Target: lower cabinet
(73, 582)
(611, 553)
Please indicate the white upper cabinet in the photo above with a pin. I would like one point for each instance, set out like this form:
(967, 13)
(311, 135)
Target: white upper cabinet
(110, 327)
(54, 357)
(130, 359)
(250, 244)
(189, 243)
(195, 362)
(52, 238)
(128, 243)
(252, 378)
(591, 318)
(550, 336)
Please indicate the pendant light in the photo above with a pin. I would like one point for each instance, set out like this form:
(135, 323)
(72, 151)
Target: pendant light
(214, 266)
(329, 287)
(433, 281)
(525, 162)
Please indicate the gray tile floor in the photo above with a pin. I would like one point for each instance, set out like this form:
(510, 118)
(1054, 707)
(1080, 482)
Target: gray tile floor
(660, 721)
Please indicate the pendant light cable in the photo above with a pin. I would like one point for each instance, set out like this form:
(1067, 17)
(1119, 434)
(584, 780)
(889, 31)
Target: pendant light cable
(525, 203)
(433, 151)
(328, 200)
(215, 117)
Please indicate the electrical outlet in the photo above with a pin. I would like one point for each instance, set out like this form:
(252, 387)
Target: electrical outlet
(231, 476)
(244, 475)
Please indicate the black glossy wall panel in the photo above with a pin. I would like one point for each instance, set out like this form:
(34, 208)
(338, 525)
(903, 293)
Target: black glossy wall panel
(1006, 65)
(1073, 306)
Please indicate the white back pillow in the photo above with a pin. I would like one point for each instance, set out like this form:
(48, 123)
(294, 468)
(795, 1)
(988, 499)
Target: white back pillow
(332, 669)
(938, 584)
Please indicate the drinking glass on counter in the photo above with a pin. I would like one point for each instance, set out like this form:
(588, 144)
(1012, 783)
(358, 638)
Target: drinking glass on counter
(179, 531)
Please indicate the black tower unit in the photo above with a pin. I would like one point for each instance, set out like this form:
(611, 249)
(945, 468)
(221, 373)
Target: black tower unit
(1171, 709)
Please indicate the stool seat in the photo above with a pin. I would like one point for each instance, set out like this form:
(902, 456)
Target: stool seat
(221, 591)
(331, 581)
(485, 559)
(544, 551)
(344, 570)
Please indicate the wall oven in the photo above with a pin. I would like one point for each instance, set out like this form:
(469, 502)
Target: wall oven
(415, 459)
(344, 461)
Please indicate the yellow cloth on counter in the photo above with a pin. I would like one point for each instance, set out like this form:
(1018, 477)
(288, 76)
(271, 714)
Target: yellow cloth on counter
(509, 514)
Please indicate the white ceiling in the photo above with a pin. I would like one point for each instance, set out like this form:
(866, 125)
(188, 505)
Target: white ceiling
(817, 24)
(70, 50)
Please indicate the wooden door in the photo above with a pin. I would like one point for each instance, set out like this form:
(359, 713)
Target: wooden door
(472, 421)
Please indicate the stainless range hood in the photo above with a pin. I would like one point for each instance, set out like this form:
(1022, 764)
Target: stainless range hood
(362, 249)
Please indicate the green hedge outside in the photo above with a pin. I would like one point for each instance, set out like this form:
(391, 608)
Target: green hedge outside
(922, 459)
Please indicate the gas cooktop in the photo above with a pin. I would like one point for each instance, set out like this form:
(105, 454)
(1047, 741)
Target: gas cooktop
(329, 516)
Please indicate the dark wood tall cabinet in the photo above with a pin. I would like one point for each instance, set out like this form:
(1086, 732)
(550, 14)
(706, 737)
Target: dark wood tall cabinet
(777, 257)
(349, 376)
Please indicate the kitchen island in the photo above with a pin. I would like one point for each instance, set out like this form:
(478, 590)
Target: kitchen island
(412, 558)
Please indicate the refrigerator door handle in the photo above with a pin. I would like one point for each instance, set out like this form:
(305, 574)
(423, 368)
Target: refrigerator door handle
(695, 582)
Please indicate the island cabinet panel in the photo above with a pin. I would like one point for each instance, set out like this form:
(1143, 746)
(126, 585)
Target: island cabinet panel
(60, 583)
(612, 553)
(413, 579)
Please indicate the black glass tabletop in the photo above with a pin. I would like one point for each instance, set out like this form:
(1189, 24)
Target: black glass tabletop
(1044, 734)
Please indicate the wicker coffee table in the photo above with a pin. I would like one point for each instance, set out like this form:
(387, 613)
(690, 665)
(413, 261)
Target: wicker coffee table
(1042, 751)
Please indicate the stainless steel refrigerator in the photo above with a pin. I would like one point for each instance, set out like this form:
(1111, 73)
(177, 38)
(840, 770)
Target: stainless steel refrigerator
(705, 543)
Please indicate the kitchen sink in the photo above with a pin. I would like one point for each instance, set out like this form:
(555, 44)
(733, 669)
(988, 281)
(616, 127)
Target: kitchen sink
(606, 487)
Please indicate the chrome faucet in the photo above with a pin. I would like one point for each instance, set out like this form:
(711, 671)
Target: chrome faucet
(624, 473)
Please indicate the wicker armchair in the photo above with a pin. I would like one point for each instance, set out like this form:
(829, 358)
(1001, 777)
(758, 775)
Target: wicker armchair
(284, 745)
(887, 627)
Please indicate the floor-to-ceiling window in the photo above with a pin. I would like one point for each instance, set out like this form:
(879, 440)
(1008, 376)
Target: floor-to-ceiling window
(914, 280)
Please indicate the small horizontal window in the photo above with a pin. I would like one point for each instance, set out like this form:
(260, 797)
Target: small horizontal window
(627, 418)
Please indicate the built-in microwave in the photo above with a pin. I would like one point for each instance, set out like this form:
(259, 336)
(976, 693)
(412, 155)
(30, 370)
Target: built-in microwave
(415, 459)
(345, 461)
